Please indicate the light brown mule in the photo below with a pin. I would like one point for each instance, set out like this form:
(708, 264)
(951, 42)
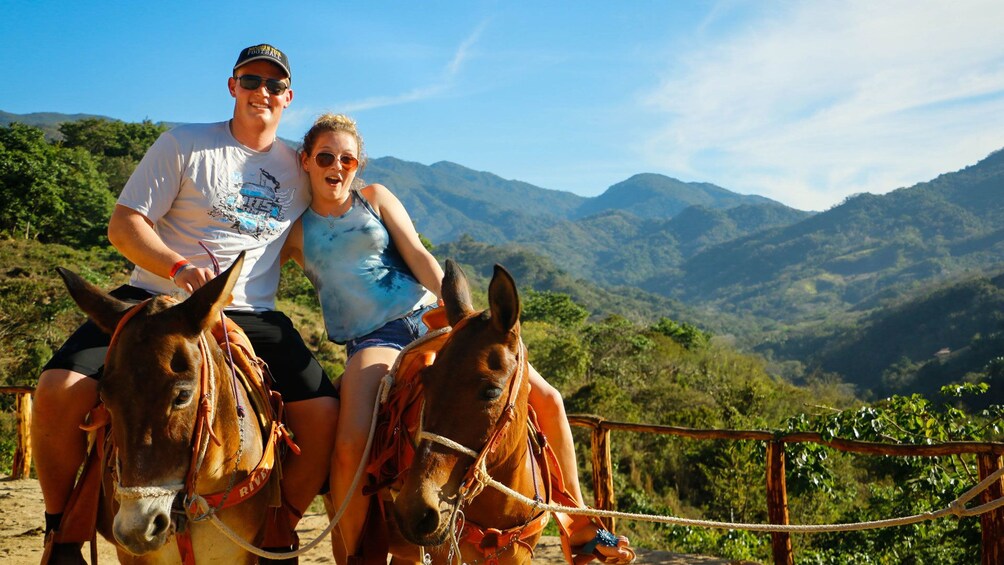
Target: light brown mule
(155, 391)
(475, 410)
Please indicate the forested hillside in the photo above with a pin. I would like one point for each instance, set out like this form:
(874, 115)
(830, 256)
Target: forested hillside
(855, 254)
(48, 122)
(613, 351)
(648, 247)
(949, 333)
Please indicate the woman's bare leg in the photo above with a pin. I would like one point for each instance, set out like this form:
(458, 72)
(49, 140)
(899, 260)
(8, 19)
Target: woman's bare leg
(550, 409)
(359, 386)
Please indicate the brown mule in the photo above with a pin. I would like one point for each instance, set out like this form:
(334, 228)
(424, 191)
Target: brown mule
(182, 430)
(476, 424)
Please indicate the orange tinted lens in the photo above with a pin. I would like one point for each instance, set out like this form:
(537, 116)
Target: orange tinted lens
(349, 163)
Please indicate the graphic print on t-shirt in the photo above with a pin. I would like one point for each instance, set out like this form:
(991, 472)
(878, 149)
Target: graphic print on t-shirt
(256, 206)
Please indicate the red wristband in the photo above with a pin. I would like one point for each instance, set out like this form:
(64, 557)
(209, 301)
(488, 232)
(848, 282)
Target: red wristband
(177, 267)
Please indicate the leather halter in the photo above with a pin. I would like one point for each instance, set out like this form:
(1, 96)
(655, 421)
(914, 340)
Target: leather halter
(491, 540)
(199, 507)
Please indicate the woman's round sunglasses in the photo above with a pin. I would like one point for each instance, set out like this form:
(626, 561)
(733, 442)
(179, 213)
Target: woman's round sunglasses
(253, 82)
(325, 160)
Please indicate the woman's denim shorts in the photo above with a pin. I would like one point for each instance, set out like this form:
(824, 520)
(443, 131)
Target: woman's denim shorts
(395, 334)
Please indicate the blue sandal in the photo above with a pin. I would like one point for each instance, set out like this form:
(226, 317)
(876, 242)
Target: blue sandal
(582, 554)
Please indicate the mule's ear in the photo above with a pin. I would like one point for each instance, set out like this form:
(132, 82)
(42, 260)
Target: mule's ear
(102, 308)
(503, 299)
(456, 293)
(205, 304)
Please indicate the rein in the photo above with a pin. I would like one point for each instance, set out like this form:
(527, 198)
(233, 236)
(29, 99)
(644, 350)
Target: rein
(205, 417)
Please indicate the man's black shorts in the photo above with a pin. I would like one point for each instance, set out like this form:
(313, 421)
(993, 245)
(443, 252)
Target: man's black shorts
(298, 376)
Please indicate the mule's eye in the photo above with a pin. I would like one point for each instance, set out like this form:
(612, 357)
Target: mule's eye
(490, 393)
(182, 399)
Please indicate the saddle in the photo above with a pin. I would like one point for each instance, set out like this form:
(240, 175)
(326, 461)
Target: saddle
(80, 516)
(400, 416)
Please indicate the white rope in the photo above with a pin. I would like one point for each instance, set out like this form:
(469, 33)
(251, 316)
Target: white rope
(448, 443)
(136, 493)
(481, 478)
(385, 383)
(956, 508)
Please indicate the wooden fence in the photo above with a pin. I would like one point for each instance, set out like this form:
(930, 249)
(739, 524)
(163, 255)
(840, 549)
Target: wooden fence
(21, 466)
(989, 457)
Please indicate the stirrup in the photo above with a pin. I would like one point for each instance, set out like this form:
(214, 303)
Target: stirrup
(61, 553)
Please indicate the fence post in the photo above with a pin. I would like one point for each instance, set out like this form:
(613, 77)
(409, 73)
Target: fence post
(603, 474)
(777, 503)
(21, 466)
(992, 523)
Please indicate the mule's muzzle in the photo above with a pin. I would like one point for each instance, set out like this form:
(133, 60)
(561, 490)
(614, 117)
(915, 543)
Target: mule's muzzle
(423, 523)
(142, 528)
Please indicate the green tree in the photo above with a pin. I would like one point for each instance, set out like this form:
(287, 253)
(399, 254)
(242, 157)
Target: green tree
(557, 353)
(50, 193)
(426, 243)
(119, 146)
(554, 307)
(687, 335)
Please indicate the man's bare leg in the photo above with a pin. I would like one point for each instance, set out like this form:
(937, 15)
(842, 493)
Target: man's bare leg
(62, 400)
(313, 424)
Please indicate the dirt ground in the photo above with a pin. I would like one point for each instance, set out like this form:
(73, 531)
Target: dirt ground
(21, 535)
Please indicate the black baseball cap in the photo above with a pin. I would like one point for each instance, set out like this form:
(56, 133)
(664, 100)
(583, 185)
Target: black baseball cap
(263, 52)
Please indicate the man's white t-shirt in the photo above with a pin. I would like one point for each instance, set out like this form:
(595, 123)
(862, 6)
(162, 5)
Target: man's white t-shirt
(197, 183)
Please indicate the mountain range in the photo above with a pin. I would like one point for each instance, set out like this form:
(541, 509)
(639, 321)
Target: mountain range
(640, 228)
(706, 245)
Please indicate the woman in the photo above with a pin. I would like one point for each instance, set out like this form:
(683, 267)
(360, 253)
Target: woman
(375, 279)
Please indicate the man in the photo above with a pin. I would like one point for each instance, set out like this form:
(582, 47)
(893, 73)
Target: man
(204, 191)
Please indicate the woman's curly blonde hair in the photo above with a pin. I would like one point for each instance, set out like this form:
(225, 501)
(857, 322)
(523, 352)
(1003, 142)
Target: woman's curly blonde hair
(333, 122)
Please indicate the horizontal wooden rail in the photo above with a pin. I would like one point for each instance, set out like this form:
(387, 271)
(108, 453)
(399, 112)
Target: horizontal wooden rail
(989, 458)
(847, 445)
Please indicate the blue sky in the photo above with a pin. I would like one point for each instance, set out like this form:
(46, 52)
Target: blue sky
(803, 102)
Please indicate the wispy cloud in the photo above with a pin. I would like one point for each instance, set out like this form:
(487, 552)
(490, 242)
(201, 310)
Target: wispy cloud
(816, 101)
(443, 85)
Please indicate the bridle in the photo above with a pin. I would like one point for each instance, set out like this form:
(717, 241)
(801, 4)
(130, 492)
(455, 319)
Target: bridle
(204, 419)
(490, 541)
(477, 475)
(250, 376)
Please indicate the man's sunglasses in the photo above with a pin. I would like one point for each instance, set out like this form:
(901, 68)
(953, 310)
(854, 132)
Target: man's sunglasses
(253, 82)
(325, 160)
